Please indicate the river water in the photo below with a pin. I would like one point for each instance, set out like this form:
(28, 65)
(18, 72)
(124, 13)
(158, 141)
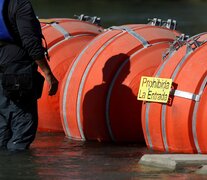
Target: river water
(52, 155)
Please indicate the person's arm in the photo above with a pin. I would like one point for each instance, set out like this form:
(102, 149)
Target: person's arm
(30, 34)
(50, 78)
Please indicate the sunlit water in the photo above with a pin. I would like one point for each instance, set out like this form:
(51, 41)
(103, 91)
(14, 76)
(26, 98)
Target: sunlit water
(54, 157)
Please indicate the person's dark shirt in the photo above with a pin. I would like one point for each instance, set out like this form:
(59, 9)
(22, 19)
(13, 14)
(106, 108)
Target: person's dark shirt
(26, 32)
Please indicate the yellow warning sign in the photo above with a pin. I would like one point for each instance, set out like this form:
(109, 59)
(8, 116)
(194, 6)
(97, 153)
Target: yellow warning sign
(154, 89)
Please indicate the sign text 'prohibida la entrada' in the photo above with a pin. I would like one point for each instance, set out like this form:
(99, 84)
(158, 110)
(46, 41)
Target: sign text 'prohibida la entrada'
(154, 89)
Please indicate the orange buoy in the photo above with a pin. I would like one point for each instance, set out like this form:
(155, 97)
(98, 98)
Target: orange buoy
(98, 95)
(65, 38)
(172, 127)
(199, 118)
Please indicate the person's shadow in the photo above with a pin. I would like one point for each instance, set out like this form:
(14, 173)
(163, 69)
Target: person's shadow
(123, 121)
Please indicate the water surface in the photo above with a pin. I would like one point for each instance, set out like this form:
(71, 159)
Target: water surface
(54, 157)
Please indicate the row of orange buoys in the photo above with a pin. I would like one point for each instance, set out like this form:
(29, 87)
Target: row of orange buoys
(91, 113)
(98, 96)
(99, 71)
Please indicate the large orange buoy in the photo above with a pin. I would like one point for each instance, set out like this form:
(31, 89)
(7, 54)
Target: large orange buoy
(98, 96)
(65, 39)
(199, 120)
(173, 127)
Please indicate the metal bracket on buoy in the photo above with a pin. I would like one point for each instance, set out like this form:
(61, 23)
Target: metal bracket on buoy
(133, 33)
(183, 37)
(186, 95)
(155, 22)
(170, 24)
(194, 43)
(179, 42)
(94, 20)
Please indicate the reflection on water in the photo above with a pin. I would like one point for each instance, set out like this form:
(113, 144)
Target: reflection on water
(52, 156)
(190, 15)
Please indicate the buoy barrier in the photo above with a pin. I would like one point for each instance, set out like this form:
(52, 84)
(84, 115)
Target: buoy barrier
(65, 38)
(179, 125)
(98, 95)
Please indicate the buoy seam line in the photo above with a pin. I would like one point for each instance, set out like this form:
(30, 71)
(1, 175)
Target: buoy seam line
(164, 107)
(185, 41)
(68, 79)
(74, 138)
(163, 113)
(84, 78)
(189, 95)
(68, 82)
(61, 30)
(165, 62)
(132, 33)
(194, 118)
(64, 103)
(148, 104)
(145, 44)
(137, 36)
(173, 50)
(63, 40)
(113, 82)
(180, 64)
(66, 36)
(197, 35)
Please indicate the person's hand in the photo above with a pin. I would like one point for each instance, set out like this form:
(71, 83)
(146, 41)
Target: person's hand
(50, 78)
(53, 84)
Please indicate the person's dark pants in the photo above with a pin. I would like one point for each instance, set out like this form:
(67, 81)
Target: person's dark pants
(18, 123)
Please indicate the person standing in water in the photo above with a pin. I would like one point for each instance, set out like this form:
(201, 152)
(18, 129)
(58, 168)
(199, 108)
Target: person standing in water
(21, 52)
